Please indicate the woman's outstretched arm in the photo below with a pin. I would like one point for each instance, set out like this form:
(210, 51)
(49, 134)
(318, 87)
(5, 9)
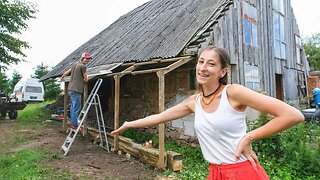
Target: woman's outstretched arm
(180, 110)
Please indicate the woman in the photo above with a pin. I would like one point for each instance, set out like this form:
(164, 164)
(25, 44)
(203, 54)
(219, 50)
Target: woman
(220, 119)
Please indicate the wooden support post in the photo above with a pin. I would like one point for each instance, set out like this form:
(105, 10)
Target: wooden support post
(84, 99)
(116, 109)
(65, 106)
(161, 162)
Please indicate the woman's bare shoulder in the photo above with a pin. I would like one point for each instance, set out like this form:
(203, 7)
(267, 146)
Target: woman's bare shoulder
(190, 101)
(235, 89)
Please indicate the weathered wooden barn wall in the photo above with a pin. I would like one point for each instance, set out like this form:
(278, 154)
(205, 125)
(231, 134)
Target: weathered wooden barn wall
(228, 32)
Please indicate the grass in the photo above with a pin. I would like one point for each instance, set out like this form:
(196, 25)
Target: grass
(34, 112)
(25, 164)
(194, 165)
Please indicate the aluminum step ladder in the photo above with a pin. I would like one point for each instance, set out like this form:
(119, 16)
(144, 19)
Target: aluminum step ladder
(93, 99)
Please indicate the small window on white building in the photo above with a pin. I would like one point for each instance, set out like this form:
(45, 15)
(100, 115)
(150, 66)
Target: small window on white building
(250, 23)
(252, 78)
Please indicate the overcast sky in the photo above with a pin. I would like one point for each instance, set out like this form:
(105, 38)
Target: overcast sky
(62, 26)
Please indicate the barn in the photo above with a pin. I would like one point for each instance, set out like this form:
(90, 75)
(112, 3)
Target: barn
(147, 57)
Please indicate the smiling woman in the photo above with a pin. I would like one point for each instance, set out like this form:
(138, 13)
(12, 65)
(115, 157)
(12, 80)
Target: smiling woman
(220, 122)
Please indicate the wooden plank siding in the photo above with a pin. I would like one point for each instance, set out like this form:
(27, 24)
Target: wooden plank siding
(228, 32)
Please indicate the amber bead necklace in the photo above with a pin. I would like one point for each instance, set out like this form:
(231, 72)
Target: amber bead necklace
(213, 94)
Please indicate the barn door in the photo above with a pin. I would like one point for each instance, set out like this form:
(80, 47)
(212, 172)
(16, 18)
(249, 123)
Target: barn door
(279, 87)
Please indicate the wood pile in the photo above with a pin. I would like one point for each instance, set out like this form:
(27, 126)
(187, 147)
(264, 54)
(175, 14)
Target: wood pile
(145, 154)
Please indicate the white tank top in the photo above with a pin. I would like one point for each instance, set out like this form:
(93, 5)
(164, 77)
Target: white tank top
(220, 132)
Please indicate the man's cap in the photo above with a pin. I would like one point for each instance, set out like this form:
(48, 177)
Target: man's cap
(86, 55)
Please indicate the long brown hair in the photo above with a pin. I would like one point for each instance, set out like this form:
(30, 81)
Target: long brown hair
(224, 61)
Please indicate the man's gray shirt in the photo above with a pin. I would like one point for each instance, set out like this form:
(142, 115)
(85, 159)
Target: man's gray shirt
(76, 80)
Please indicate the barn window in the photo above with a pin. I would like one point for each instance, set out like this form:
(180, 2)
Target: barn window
(302, 84)
(252, 77)
(250, 30)
(298, 49)
(192, 79)
(278, 29)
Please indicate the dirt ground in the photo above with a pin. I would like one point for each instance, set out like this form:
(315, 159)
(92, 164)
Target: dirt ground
(84, 158)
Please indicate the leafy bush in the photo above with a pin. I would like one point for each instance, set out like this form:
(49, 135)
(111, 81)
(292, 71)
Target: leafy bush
(292, 153)
(141, 137)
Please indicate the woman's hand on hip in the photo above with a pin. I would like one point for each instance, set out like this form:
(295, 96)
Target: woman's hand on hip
(245, 148)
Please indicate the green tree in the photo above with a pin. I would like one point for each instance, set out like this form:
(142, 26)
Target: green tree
(14, 80)
(312, 49)
(40, 71)
(51, 87)
(13, 17)
(4, 83)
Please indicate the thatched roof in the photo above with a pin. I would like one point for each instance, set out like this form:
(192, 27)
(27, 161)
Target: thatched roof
(156, 29)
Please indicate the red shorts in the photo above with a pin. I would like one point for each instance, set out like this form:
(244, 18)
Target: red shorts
(239, 171)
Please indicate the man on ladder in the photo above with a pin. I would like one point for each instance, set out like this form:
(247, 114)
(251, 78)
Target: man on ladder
(78, 77)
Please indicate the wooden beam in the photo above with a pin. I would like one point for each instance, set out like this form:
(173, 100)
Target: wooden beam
(161, 162)
(124, 72)
(147, 71)
(128, 70)
(167, 69)
(116, 108)
(177, 64)
(84, 99)
(154, 61)
(65, 106)
(144, 154)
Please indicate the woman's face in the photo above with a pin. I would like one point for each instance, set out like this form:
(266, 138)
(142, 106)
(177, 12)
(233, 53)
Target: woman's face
(208, 68)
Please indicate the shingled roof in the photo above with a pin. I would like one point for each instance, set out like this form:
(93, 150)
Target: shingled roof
(156, 29)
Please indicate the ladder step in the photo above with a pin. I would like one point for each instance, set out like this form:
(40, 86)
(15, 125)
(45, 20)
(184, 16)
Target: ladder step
(65, 149)
(69, 139)
(93, 99)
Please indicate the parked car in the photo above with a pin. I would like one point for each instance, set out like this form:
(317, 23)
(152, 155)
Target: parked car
(29, 90)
